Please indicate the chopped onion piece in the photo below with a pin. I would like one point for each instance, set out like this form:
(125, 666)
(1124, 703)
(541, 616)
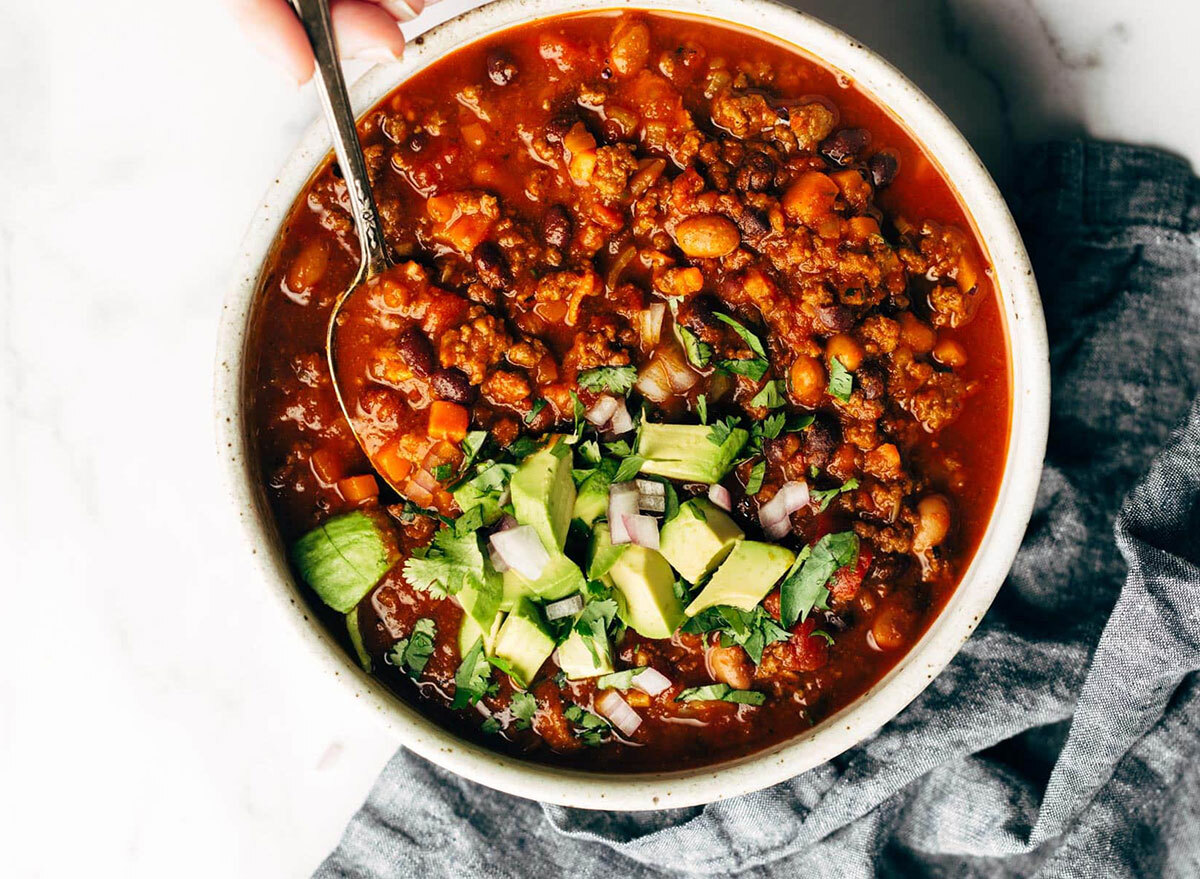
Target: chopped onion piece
(774, 514)
(720, 496)
(649, 486)
(793, 495)
(651, 681)
(622, 421)
(505, 497)
(497, 562)
(522, 550)
(680, 375)
(654, 382)
(602, 411)
(483, 709)
(617, 710)
(556, 610)
(506, 523)
(652, 496)
(622, 502)
(642, 530)
(650, 321)
(779, 529)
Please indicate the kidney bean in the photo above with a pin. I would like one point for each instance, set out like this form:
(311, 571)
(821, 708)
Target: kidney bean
(836, 317)
(752, 224)
(416, 351)
(501, 67)
(871, 380)
(453, 385)
(820, 438)
(842, 147)
(884, 167)
(492, 267)
(556, 227)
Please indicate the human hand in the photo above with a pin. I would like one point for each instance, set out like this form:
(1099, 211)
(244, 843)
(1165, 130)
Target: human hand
(365, 29)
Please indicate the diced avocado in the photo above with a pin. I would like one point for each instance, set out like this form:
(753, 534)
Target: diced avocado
(560, 578)
(543, 496)
(481, 602)
(698, 539)
(468, 496)
(647, 583)
(356, 639)
(342, 559)
(592, 500)
(469, 631)
(602, 555)
(577, 661)
(684, 451)
(745, 577)
(523, 641)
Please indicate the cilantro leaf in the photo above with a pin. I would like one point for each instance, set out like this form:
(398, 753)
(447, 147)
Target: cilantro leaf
(721, 430)
(491, 726)
(472, 443)
(523, 707)
(797, 423)
(522, 447)
(805, 585)
(702, 408)
(471, 679)
(754, 368)
(824, 497)
(841, 380)
(505, 666)
(590, 451)
(412, 653)
(821, 633)
(748, 337)
(620, 448)
(751, 630)
(754, 483)
(629, 468)
(772, 395)
(451, 562)
(721, 693)
(471, 520)
(578, 410)
(442, 472)
(538, 405)
(698, 353)
(619, 680)
(593, 622)
(591, 729)
(614, 379)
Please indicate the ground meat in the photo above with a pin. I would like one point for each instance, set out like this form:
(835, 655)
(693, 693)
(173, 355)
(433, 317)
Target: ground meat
(504, 388)
(590, 350)
(475, 346)
(614, 165)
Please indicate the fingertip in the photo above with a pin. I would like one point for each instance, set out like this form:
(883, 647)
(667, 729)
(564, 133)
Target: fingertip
(366, 31)
(278, 34)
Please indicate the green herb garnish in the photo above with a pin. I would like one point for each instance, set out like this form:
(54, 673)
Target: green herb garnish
(538, 405)
(721, 430)
(752, 630)
(824, 497)
(702, 408)
(698, 353)
(471, 679)
(772, 395)
(412, 653)
(619, 680)
(721, 693)
(614, 379)
(841, 380)
(804, 587)
(754, 483)
(523, 707)
(453, 561)
(629, 468)
(591, 729)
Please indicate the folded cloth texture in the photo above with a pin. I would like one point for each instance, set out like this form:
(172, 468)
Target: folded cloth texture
(1064, 739)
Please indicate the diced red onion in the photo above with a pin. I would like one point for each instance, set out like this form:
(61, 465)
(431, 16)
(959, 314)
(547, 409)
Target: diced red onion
(522, 550)
(506, 523)
(720, 496)
(617, 710)
(652, 496)
(642, 530)
(483, 709)
(622, 421)
(650, 321)
(602, 411)
(774, 515)
(622, 502)
(556, 610)
(651, 681)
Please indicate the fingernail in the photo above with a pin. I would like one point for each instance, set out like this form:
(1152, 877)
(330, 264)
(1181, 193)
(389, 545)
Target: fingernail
(377, 55)
(402, 9)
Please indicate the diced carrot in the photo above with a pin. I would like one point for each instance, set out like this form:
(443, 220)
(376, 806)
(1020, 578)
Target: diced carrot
(862, 228)
(358, 488)
(579, 139)
(441, 208)
(392, 462)
(448, 420)
(325, 466)
(582, 165)
(443, 501)
(465, 233)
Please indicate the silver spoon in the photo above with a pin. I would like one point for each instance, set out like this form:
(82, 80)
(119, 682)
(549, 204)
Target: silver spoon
(375, 257)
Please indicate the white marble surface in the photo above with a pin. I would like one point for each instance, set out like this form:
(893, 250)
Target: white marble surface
(155, 718)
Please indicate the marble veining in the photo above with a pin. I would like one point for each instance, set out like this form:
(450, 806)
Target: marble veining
(154, 706)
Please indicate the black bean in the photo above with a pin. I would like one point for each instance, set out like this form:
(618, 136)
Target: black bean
(884, 167)
(842, 147)
(557, 128)
(452, 384)
(501, 67)
(492, 267)
(756, 174)
(416, 350)
(699, 314)
(556, 227)
(871, 379)
(418, 141)
(836, 317)
(752, 224)
(820, 439)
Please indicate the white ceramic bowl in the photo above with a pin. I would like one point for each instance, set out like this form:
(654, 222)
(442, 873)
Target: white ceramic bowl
(1030, 405)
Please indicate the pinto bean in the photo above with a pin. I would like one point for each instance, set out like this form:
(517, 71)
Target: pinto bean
(933, 523)
(871, 379)
(845, 349)
(836, 317)
(453, 385)
(707, 236)
(501, 67)
(630, 46)
(730, 665)
(807, 380)
(416, 351)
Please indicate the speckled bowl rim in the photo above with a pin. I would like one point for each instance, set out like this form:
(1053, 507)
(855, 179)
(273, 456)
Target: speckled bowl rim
(1031, 395)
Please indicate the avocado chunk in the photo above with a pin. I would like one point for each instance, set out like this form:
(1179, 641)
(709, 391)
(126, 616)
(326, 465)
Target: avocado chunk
(524, 641)
(469, 631)
(698, 539)
(560, 578)
(468, 496)
(543, 496)
(591, 502)
(745, 577)
(356, 639)
(344, 558)
(602, 555)
(481, 601)
(648, 603)
(684, 451)
(577, 661)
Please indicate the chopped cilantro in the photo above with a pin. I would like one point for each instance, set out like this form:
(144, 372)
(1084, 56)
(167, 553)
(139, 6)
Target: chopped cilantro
(442, 472)
(560, 449)
(754, 483)
(591, 729)
(629, 468)
(412, 653)
(614, 379)
(471, 520)
(472, 443)
(471, 679)
(702, 408)
(491, 726)
(523, 707)
(771, 426)
(538, 405)
(505, 666)
(680, 588)
(590, 451)
(593, 622)
(841, 380)
(671, 505)
(748, 337)
(620, 448)
(522, 447)
(821, 633)
(797, 423)
(772, 395)
(698, 353)
(619, 680)
(824, 497)
(721, 430)
(751, 630)
(453, 561)
(578, 410)
(804, 587)
(754, 368)
(721, 693)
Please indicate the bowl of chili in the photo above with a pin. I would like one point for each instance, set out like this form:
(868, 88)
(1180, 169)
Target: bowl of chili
(713, 374)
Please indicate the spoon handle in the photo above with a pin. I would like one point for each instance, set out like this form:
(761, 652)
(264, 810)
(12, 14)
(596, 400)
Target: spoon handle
(331, 87)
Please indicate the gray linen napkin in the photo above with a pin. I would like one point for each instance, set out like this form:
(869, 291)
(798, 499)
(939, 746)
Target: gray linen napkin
(1064, 738)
